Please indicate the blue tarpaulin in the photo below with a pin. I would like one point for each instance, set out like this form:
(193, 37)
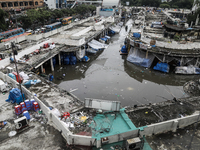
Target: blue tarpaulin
(15, 96)
(124, 49)
(163, 67)
(111, 32)
(137, 35)
(104, 39)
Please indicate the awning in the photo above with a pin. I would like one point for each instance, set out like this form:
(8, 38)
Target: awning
(97, 45)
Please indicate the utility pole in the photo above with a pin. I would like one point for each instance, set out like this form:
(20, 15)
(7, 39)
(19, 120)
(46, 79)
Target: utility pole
(15, 53)
(16, 18)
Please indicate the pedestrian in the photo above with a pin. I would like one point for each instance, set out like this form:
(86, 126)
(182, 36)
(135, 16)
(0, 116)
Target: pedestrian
(126, 28)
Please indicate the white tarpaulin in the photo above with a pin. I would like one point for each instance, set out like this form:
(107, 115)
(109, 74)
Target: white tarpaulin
(24, 76)
(97, 45)
(80, 53)
(115, 28)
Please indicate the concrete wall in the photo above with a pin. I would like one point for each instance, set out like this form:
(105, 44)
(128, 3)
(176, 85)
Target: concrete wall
(81, 140)
(171, 125)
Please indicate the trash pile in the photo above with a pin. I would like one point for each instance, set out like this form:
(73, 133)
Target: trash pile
(77, 123)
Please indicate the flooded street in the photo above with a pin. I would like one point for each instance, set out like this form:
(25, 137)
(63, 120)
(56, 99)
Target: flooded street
(109, 76)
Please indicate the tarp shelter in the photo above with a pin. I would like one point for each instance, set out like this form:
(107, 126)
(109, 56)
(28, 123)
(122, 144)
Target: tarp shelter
(139, 58)
(97, 45)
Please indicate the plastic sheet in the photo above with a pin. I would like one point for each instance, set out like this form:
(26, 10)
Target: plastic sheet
(97, 45)
(136, 35)
(15, 96)
(139, 58)
(163, 67)
(187, 70)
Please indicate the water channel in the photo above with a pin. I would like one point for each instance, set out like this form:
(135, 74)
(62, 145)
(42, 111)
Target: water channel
(109, 76)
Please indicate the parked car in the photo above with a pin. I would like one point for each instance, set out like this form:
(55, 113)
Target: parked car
(37, 31)
(30, 32)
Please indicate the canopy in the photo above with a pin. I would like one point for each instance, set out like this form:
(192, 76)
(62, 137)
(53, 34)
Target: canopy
(97, 45)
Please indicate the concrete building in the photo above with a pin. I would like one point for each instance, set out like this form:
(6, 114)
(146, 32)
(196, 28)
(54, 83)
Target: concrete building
(53, 4)
(109, 7)
(20, 4)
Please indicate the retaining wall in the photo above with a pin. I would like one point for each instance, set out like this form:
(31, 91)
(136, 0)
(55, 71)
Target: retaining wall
(170, 125)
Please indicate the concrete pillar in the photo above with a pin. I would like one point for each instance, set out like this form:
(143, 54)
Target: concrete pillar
(146, 54)
(42, 68)
(98, 145)
(51, 61)
(59, 60)
(175, 125)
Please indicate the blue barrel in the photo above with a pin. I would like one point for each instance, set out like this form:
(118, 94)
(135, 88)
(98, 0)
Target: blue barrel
(26, 114)
(66, 60)
(31, 102)
(28, 105)
(51, 77)
(73, 60)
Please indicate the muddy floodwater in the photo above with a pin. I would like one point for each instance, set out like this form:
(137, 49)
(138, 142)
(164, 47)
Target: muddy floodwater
(109, 76)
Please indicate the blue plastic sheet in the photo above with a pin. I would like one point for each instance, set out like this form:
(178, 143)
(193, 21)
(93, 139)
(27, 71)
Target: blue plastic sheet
(163, 67)
(15, 96)
(136, 35)
(124, 49)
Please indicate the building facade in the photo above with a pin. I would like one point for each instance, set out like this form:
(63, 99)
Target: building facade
(20, 4)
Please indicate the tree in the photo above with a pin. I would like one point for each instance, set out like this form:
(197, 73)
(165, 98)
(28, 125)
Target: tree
(3, 25)
(164, 6)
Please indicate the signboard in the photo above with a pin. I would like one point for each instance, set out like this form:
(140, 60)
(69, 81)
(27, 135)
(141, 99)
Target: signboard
(102, 104)
(127, 3)
(143, 46)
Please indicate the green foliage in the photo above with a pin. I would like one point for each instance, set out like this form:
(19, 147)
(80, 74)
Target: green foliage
(181, 4)
(43, 15)
(192, 17)
(176, 37)
(3, 25)
(164, 6)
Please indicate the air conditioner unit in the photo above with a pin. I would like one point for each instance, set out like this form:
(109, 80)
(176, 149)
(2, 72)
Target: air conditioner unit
(7, 46)
(133, 144)
(21, 123)
(9, 70)
(104, 140)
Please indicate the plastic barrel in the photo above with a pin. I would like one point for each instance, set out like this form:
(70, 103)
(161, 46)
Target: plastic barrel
(26, 114)
(23, 107)
(36, 106)
(18, 110)
(31, 102)
(28, 105)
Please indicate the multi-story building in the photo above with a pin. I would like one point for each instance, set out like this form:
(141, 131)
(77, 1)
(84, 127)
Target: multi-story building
(53, 4)
(20, 4)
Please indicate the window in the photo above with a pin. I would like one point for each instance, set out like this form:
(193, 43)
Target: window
(26, 3)
(3, 5)
(36, 3)
(21, 4)
(10, 4)
(30, 3)
(15, 4)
